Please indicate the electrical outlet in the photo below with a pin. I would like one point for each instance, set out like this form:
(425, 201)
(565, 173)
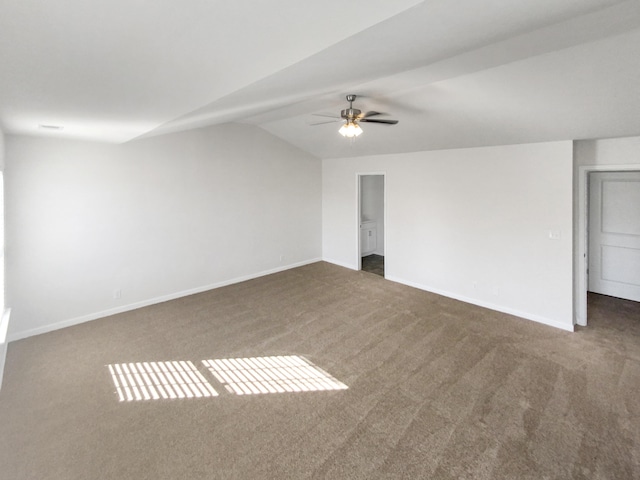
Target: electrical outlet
(117, 293)
(282, 258)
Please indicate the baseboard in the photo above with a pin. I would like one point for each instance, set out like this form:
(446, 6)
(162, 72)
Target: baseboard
(340, 264)
(4, 327)
(490, 306)
(152, 301)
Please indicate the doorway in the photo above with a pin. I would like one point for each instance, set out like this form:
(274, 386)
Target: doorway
(371, 223)
(605, 226)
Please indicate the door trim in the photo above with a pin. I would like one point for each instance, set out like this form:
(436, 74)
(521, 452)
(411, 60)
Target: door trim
(581, 259)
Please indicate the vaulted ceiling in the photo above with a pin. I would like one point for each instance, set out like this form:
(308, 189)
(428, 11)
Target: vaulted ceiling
(455, 74)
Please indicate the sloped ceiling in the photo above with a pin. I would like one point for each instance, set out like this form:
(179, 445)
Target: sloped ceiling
(454, 73)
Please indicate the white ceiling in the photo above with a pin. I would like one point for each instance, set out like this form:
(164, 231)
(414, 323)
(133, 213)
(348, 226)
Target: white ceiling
(457, 73)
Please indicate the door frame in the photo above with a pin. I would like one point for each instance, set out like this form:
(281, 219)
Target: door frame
(359, 210)
(582, 251)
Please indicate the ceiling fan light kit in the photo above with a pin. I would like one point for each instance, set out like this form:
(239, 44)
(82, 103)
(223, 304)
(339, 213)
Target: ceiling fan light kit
(353, 117)
(350, 129)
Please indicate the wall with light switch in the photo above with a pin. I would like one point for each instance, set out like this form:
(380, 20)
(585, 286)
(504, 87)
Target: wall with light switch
(94, 228)
(490, 226)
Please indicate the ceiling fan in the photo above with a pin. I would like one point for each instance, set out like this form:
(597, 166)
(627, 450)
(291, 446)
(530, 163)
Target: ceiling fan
(353, 117)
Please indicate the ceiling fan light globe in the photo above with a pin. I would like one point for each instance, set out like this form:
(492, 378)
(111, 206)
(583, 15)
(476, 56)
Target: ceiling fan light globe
(350, 130)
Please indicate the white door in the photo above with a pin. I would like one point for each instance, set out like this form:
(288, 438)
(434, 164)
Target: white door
(614, 234)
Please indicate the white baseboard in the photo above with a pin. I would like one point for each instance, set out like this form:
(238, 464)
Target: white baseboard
(340, 264)
(4, 326)
(152, 301)
(491, 306)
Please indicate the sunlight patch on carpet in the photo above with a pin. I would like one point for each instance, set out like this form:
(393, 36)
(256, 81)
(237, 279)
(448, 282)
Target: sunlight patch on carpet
(279, 374)
(159, 380)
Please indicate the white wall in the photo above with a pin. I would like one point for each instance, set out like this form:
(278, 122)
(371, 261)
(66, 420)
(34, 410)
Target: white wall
(4, 315)
(372, 206)
(155, 218)
(472, 224)
(2, 149)
(608, 151)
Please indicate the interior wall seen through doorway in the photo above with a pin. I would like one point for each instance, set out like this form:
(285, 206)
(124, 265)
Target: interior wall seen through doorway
(372, 206)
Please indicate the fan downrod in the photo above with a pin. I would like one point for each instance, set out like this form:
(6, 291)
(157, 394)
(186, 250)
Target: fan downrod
(350, 113)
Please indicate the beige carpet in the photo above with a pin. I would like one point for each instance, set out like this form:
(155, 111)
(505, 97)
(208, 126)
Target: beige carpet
(436, 389)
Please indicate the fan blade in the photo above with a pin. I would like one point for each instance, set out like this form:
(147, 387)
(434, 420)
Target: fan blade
(370, 114)
(323, 115)
(322, 123)
(375, 120)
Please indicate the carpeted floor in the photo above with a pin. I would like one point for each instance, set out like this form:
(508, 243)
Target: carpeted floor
(436, 389)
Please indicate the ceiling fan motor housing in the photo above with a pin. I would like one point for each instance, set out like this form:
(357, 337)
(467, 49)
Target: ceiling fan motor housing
(350, 113)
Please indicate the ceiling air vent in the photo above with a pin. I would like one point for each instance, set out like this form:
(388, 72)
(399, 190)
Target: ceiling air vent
(50, 127)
